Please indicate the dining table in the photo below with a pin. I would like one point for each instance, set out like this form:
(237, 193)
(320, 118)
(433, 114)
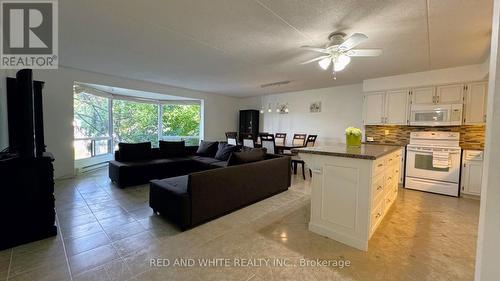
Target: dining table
(280, 147)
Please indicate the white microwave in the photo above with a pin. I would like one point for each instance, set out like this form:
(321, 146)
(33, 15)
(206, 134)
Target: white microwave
(436, 115)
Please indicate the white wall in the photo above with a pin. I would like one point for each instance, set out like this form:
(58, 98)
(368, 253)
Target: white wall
(467, 73)
(341, 108)
(488, 244)
(220, 111)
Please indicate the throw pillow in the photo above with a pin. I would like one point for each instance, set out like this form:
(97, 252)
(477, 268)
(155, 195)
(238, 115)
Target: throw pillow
(247, 156)
(172, 148)
(224, 151)
(207, 148)
(135, 151)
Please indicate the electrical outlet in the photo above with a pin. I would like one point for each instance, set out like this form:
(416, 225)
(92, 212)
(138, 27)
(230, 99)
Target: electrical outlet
(386, 132)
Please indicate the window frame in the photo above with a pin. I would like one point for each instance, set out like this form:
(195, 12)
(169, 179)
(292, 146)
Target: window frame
(82, 162)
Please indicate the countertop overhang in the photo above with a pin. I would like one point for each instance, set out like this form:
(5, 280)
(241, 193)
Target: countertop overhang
(365, 151)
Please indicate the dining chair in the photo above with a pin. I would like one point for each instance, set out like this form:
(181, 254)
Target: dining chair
(280, 138)
(299, 139)
(310, 141)
(267, 142)
(248, 140)
(232, 137)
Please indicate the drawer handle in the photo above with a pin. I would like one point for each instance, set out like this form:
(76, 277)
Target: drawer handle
(389, 178)
(390, 160)
(379, 187)
(397, 171)
(380, 165)
(378, 215)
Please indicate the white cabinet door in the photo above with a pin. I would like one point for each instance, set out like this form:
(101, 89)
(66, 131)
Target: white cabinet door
(396, 107)
(472, 172)
(475, 103)
(374, 108)
(473, 177)
(449, 94)
(423, 95)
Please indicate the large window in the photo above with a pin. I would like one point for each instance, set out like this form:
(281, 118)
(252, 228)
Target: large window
(102, 120)
(181, 121)
(91, 125)
(135, 122)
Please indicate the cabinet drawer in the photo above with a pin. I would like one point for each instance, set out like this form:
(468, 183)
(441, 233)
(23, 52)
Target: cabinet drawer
(379, 166)
(473, 155)
(392, 160)
(378, 188)
(376, 216)
(389, 197)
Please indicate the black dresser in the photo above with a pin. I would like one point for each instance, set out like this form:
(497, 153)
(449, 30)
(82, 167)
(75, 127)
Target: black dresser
(27, 200)
(249, 122)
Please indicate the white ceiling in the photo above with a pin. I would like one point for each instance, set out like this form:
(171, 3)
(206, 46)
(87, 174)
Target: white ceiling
(234, 46)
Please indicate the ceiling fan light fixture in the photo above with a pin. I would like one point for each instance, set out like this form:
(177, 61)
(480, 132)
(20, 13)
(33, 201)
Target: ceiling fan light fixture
(339, 67)
(325, 63)
(344, 59)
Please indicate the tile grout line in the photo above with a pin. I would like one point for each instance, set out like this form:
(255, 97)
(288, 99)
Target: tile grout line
(120, 257)
(64, 246)
(10, 263)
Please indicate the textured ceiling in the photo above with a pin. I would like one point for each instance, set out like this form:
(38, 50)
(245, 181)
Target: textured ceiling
(234, 46)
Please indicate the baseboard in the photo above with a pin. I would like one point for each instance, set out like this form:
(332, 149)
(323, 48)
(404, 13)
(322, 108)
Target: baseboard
(340, 237)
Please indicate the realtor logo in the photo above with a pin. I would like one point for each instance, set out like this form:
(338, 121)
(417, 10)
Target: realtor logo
(29, 36)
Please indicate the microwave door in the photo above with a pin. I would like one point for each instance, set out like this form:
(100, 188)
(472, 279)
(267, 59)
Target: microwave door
(429, 117)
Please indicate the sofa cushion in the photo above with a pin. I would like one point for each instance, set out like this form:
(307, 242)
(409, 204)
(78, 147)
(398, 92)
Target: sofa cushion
(219, 164)
(224, 151)
(207, 148)
(175, 185)
(172, 148)
(205, 160)
(247, 156)
(135, 151)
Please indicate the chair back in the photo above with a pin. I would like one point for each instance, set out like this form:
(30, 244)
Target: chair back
(267, 142)
(232, 141)
(311, 140)
(248, 140)
(280, 138)
(299, 139)
(232, 137)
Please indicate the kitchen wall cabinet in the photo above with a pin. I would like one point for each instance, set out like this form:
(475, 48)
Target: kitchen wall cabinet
(389, 107)
(373, 108)
(472, 172)
(425, 95)
(449, 94)
(445, 94)
(396, 107)
(475, 103)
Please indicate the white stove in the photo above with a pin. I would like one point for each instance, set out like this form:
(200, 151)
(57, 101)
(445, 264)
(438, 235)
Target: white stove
(433, 162)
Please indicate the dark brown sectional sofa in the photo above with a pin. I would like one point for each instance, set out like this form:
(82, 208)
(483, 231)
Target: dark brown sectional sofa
(191, 189)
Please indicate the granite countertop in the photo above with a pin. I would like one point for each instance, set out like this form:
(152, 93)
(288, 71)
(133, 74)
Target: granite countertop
(366, 151)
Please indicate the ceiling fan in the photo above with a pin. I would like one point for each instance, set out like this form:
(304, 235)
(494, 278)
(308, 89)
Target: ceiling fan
(339, 50)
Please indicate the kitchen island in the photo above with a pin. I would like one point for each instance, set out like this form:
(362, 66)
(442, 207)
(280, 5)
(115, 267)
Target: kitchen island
(352, 189)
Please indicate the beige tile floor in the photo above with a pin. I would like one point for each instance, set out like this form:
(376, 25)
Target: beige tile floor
(107, 233)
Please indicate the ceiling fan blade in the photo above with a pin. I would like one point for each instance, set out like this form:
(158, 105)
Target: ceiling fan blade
(352, 41)
(314, 49)
(315, 59)
(364, 52)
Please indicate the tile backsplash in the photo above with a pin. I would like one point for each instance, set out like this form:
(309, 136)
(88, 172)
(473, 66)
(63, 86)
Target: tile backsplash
(471, 136)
